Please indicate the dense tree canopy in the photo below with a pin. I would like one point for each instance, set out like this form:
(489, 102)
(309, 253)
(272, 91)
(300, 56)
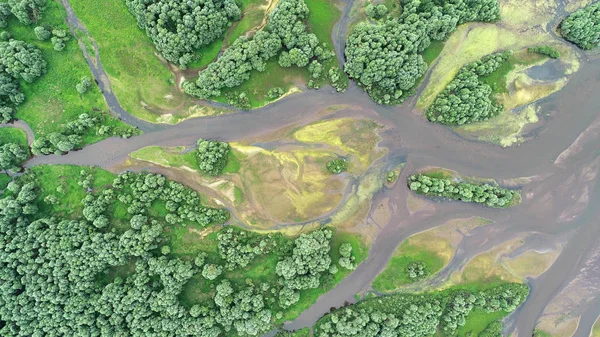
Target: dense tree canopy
(418, 315)
(467, 99)
(27, 11)
(212, 156)
(385, 58)
(53, 270)
(284, 35)
(179, 27)
(12, 155)
(239, 248)
(18, 61)
(21, 60)
(479, 193)
(303, 269)
(583, 27)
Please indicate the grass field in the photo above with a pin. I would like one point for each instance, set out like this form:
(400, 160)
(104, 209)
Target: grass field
(302, 333)
(497, 79)
(4, 180)
(259, 83)
(176, 157)
(52, 100)
(433, 51)
(323, 16)
(137, 75)
(61, 181)
(13, 135)
(395, 276)
(477, 322)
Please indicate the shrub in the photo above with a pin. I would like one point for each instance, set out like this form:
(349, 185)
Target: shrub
(479, 193)
(417, 270)
(337, 166)
(275, 93)
(42, 34)
(83, 85)
(545, 50)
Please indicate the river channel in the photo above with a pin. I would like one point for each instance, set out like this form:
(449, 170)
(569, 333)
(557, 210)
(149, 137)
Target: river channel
(561, 198)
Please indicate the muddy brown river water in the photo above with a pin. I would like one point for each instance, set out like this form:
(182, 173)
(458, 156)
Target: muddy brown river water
(561, 198)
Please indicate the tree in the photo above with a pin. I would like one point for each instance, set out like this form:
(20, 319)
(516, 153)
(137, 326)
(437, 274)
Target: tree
(545, 50)
(211, 271)
(83, 85)
(42, 34)
(4, 14)
(21, 60)
(284, 35)
(179, 28)
(479, 193)
(467, 99)
(212, 156)
(59, 39)
(12, 156)
(416, 270)
(302, 270)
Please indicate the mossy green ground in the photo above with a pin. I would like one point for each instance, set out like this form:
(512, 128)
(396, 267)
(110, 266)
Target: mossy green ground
(433, 51)
(394, 275)
(541, 333)
(176, 157)
(13, 135)
(4, 180)
(137, 75)
(302, 333)
(52, 101)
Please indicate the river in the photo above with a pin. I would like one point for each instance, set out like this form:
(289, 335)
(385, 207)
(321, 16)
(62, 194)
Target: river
(560, 202)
